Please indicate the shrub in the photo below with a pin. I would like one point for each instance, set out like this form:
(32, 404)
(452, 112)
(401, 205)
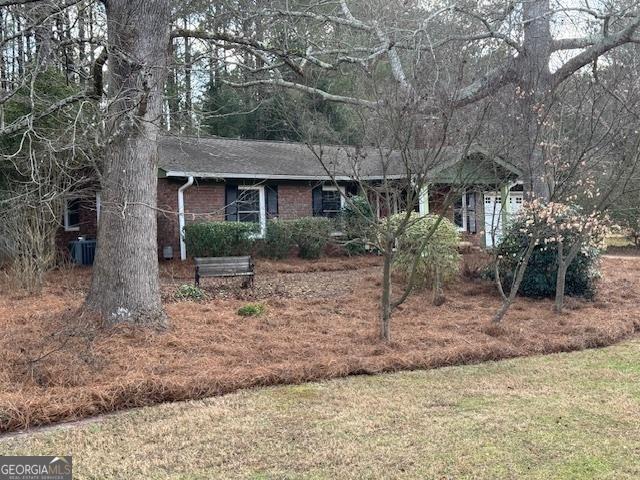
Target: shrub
(278, 240)
(356, 219)
(252, 310)
(439, 259)
(190, 292)
(539, 279)
(220, 239)
(310, 234)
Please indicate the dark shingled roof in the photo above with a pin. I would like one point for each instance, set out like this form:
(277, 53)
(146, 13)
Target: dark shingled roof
(216, 157)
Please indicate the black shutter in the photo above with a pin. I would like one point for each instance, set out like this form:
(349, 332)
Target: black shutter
(471, 213)
(230, 206)
(271, 192)
(316, 198)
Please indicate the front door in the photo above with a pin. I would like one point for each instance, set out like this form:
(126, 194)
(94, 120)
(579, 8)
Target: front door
(493, 214)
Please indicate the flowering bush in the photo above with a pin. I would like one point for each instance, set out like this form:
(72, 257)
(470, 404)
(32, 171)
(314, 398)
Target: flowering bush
(439, 254)
(552, 225)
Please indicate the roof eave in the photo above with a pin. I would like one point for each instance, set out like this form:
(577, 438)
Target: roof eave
(262, 176)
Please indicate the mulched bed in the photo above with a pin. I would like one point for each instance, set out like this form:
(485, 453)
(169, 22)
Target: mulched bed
(321, 322)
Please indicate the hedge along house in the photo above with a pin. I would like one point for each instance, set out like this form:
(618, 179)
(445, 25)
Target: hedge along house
(219, 179)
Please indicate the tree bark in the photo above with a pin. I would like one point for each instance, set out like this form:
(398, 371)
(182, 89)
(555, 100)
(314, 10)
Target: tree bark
(561, 276)
(560, 283)
(188, 107)
(173, 102)
(125, 285)
(42, 33)
(81, 47)
(536, 86)
(385, 310)
(507, 301)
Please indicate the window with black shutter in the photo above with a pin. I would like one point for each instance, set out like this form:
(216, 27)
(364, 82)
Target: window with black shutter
(72, 215)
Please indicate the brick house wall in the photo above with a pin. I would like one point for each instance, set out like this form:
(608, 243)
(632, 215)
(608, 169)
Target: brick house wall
(167, 215)
(205, 201)
(87, 228)
(294, 200)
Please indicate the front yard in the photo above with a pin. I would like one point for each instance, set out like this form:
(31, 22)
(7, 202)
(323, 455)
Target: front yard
(562, 416)
(320, 322)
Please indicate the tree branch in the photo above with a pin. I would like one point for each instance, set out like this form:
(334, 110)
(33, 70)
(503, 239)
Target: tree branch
(596, 50)
(306, 89)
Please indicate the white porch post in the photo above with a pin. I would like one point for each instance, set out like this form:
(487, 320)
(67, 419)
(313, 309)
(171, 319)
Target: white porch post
(423, 205)
(506, 203)
(181, 222)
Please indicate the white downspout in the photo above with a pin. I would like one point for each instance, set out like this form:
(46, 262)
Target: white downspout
(183, 246)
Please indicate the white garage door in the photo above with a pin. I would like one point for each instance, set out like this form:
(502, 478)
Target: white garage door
(493, 214)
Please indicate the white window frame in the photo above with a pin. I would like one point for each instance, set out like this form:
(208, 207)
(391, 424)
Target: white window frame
(263, 207)
(463, 228)
(334, 188)
(67, 227)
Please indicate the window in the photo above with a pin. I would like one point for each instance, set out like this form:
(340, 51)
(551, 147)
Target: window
(248, 204)
(251, 206)
(72, 215)
(332, 200)
(460, 213)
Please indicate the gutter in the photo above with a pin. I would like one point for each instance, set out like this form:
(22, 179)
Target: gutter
(183, 245)
(261, 176)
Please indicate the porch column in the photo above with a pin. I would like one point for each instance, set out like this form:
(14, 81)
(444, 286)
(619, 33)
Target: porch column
(423, 205)
(506, 204)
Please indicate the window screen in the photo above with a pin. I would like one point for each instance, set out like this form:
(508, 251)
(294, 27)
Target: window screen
(331, 203)
(248, 204)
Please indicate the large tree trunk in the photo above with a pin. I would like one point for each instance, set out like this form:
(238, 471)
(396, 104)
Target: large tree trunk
(188, 107)
(125, 286)
(535, 89)
(42, 33)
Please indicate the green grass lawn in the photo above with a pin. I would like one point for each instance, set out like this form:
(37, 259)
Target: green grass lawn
(573, 415)
(619, 241)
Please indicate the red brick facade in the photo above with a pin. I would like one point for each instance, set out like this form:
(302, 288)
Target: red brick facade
(294, 201)
(168, 216)
(205, 201)
(87, 228)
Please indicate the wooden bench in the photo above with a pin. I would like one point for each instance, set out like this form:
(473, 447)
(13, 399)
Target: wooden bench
(225, 267)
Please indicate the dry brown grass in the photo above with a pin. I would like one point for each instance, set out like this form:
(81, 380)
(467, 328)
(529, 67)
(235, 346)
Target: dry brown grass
(319, 324)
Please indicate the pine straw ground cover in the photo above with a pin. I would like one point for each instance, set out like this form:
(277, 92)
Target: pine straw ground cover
(321, 322)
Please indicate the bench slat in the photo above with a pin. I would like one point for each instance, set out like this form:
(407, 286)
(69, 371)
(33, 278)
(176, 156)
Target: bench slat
(225, 265)
(234, 274)
(217, 260)
(209, 270)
